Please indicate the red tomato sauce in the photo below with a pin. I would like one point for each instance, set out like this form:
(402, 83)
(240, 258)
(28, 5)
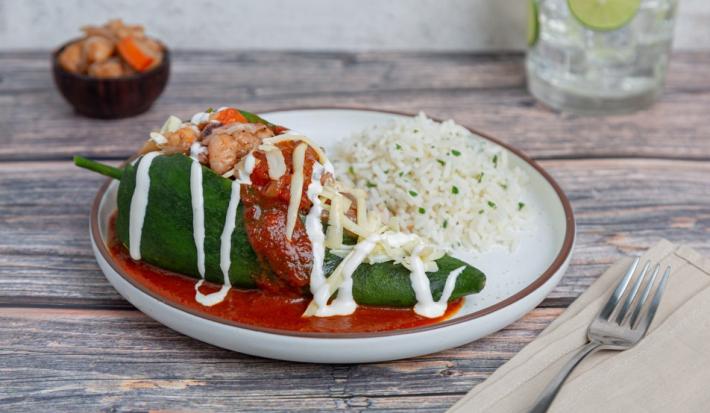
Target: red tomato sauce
(262, 308)
(265, 211)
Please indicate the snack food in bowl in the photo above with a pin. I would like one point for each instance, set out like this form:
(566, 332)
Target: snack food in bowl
(113, 71)
(112, 50)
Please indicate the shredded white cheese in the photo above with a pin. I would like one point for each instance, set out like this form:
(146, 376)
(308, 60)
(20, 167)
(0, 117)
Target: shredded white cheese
(158, 138)
(314, 228)
(201, 117)
(293, 137)
(299, 155)
(334, 233)
(276, 162)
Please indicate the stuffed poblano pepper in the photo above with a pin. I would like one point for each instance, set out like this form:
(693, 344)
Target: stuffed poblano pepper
(232, 199)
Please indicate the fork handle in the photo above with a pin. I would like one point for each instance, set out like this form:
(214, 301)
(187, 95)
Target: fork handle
(548, 395)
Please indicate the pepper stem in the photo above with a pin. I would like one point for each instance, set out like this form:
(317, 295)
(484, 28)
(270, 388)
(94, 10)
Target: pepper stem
(103, 169)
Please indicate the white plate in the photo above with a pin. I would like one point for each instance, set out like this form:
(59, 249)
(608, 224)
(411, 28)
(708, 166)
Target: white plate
(516, 281)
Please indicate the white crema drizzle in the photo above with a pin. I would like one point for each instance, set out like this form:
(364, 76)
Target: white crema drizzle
(198, 230)
(139, 204)
(426, 306)
(198, 214)
(314, 228)
(246, 167)
(225, 251)
(225, 240)
(344, 303)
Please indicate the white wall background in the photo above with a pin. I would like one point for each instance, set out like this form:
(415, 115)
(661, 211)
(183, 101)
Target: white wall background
(470, 25)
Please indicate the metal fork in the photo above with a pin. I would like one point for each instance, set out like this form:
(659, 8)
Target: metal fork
(616, 327)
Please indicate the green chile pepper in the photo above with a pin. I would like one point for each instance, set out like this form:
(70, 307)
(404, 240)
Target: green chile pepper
(167, 237)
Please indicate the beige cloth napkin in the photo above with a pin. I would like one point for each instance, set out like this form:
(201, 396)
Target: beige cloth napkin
(668, 371)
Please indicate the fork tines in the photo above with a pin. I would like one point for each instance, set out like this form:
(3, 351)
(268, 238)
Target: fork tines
(630, 308)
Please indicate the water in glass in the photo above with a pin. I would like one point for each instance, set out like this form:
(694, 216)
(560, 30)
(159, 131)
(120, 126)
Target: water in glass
(577, 69)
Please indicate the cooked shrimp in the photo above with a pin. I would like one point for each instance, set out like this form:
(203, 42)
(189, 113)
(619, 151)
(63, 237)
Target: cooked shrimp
(72, 58)
(121, 30)
(222, 152)
(98, 49)
(173, 142)
(261, 131)
(227, 145)
(99, 31)
(127, 69)
(256, 129)
(103, 43)
(149, 146)
(180, 140)
(247, 141)
(110, 68)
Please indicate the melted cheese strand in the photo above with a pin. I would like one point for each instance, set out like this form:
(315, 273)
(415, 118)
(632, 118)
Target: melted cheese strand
(361, 207)
(246, 167)
(299, 155)
(356, 229)
(139, 204)
(342, 281)
(294, 137)
(334, 233)
(329, 167)
(329, 192)
(276, 162)
(198, 214)
(314, 228)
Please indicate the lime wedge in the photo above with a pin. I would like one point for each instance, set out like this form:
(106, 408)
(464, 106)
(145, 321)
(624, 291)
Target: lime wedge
(533, 25)
(604, 15)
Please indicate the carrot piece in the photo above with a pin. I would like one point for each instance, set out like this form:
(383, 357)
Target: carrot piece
(229, 115)
(133, 54)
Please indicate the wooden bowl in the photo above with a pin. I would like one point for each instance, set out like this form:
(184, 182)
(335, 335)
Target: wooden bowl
(111, 98)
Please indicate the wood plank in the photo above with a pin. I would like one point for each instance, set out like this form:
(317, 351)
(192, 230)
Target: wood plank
(483, 91)
(622, 206)
(122, 361)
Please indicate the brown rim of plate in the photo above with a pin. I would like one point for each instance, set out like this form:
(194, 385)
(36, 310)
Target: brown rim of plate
(561, 257)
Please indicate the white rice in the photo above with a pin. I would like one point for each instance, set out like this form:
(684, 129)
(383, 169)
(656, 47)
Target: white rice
(437, 180)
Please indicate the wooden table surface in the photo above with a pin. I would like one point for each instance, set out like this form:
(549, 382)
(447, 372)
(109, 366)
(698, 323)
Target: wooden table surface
(69, 342)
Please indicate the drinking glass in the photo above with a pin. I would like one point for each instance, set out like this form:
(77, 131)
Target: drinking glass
(598, 56)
